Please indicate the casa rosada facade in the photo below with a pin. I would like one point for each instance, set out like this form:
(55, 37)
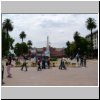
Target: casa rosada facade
(54, 52)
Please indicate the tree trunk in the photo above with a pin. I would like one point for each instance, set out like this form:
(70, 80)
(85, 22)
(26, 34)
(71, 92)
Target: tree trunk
(91, 44)
(22, 40)
(22, 47)
(7, 41)
(7, 35)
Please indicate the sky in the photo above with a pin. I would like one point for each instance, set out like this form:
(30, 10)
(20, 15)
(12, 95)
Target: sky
(59, 27)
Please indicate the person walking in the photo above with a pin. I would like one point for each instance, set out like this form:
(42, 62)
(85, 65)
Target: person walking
(39, 62)
(43, 63)
(77, 57)
(48, 63)
(9, 65)
(24, 64)
(84, 60)
(62, 64)
(81, 61)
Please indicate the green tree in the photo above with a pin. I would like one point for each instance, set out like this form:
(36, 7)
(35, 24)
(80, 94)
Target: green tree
(76, 38)
(18, 48)
(7, 43)
(11, 41)
(91, 24)
(4, 43)
(83, 46)
(68, 48)
(29, 43)
(68, 43)
(7, 26)
(22, 35)
(73, 49)
(25, 48)
(79, 45)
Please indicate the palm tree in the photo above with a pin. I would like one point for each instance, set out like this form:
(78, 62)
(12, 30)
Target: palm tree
(22, 35)
(76, 35)
(7, 26)
(91, 24)
(68, 43)
(77, 39)
(29, 43)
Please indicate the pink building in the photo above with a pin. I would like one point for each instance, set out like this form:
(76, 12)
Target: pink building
(54, 52)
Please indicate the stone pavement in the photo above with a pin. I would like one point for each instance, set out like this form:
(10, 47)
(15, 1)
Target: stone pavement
(54, 77)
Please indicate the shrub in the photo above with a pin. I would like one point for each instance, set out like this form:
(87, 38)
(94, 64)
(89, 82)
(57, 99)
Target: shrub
(18, 63)
(53, 59)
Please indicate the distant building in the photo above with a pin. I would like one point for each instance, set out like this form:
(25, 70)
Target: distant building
(57, 52)
(54, 52)
(95, 42)
(39, 52)
(95, 39)
(47, 51)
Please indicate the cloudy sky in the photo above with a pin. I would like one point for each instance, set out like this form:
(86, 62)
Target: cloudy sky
(59, 27)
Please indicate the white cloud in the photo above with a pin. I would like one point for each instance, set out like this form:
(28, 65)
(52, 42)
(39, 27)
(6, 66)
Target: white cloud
(59, 27)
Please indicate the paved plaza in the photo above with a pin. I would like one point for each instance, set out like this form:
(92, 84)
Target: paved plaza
(73, 76)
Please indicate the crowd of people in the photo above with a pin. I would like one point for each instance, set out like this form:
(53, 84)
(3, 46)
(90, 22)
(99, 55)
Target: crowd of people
(42, 63)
